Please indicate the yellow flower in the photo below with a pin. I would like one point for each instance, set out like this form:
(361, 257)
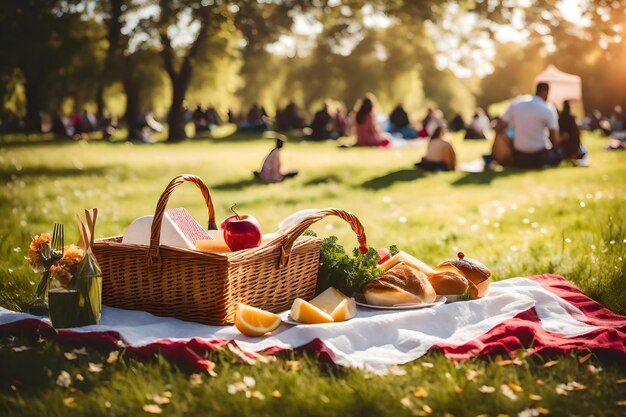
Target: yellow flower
(34, 251)
(61, 274)
(72, 255)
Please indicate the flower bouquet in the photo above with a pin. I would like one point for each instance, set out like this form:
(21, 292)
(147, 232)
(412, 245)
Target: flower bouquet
(72, 281)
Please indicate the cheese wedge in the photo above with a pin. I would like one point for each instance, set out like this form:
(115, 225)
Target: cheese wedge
(218, 246)
(409, 260)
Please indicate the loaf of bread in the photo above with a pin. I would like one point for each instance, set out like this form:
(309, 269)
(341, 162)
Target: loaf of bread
(449, 282)
(401, 284)
(475, 272)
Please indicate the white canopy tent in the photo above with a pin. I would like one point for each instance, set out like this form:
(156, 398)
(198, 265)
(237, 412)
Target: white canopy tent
(563, 86)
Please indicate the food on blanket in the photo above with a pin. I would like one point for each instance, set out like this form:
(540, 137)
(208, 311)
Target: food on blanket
(473, 270)
(253, 321)
(188, 225)
(241, 232)
(402, 284)
(384, 255)
(138, 233)
(218, 246)
(307, 313)
(250, 218)
(333, 302)
(405, 258)
(449, 282)
(345, 310)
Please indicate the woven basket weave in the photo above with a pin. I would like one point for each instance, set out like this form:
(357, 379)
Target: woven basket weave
(207, 287)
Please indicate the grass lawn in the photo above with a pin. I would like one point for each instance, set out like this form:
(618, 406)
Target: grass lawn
(569, 221)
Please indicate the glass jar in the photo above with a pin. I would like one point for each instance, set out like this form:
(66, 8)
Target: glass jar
(88, 282)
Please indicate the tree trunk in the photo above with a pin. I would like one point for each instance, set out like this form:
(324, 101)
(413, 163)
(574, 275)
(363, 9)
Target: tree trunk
(133, 108)
(100, 101)
(175, 116)
(34, 105)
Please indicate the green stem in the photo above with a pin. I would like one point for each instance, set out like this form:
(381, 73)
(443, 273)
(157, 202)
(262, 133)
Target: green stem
(43, 285)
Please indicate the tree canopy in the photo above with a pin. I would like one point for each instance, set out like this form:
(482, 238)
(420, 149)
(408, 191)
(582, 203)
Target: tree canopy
(129, 55)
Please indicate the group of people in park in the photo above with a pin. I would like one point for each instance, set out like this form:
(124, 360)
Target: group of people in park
(530, 134)
(80, 124)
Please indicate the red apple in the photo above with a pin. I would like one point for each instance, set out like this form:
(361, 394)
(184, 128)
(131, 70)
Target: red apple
(235, 217)
(384, 255)
(241, 232)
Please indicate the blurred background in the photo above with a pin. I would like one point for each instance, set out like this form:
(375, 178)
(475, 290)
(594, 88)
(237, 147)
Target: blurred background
(119, 58)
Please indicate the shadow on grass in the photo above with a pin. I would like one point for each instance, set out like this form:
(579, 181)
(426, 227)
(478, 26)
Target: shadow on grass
(51, 172)
(326, 179)
(486, 178)
(404, 175)
(237, 185)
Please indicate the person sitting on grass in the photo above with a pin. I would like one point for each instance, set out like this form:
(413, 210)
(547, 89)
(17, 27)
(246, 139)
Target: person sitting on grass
(367, 131)
(478, 127)
(569, 134)
(270, 171)
(532, 117)
(440, 154)
(322, 125)
(256, 119)
(399, 123)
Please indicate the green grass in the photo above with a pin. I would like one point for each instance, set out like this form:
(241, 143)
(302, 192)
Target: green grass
(568, 221)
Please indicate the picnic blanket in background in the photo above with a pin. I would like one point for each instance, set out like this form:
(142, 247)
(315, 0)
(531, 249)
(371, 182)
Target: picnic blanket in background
(545, 312)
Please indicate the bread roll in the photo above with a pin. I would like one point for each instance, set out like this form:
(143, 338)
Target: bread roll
(473, 270)
(449, 282)
(405, 258)
(400, 285)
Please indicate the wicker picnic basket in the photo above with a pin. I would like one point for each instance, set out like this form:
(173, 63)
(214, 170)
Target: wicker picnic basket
(207, 287)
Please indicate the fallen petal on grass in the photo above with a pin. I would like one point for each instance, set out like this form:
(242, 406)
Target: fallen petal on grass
(535, 397)
(420, 392)
(195, 379)
(152, 409)
(550, 364)
(70, 402)
(487, 389)
(508, 392)
(113, 356)
(585, 358)
(276, 394)
(406, 402)
(397, 370)
(70, 356)
(64, 379)
(95, 367)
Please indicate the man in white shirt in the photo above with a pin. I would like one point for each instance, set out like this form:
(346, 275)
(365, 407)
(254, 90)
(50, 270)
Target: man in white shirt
(536, 125)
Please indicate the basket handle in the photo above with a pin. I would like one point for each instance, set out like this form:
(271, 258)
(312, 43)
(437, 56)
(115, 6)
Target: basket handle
(305, 223)
(155, 232)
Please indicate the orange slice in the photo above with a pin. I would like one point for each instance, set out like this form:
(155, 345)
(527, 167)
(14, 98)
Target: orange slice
(345, 310)
(305, 312)
(253, 321)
